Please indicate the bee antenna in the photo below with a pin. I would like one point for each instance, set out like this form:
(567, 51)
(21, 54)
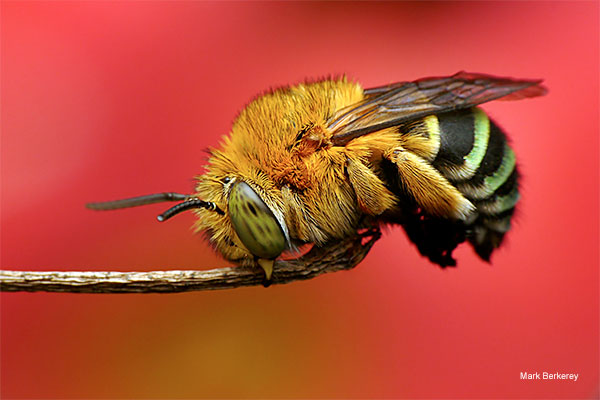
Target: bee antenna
(187, 205)
(137, 201)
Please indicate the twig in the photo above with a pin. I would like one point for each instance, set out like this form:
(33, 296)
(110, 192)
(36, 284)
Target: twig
(343, 255)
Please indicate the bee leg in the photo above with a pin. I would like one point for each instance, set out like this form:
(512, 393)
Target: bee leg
(372, 195)
(429, 189)
(267, 266)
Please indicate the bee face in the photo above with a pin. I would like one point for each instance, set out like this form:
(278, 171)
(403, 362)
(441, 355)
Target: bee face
(253, 225)
(310, 163)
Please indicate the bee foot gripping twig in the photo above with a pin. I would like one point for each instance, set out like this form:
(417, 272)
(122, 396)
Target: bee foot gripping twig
(343, 255)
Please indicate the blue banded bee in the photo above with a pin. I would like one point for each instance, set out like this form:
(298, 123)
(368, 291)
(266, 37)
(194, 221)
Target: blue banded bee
(316, 162)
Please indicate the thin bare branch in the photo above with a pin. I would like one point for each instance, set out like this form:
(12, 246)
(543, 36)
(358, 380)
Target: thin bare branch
(343, 255)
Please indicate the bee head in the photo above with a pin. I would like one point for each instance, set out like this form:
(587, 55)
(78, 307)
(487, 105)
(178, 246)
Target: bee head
(253, 228)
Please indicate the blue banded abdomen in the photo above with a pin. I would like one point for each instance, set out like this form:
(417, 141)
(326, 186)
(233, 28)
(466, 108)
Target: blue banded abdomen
(472, 153)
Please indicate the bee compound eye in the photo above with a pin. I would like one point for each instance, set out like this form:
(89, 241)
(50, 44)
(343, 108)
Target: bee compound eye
(254, 222)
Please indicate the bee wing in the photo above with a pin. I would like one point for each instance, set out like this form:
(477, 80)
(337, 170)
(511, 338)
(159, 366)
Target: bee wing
(401, 102)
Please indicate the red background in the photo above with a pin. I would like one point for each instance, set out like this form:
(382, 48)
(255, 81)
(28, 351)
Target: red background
(106, 100)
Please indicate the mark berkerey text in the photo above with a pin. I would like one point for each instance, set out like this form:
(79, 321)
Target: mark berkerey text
(548, 376)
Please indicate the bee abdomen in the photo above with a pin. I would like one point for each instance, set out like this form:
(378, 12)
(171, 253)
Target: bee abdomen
(472, 153)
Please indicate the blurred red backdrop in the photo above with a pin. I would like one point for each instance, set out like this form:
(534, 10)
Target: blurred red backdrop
(106, 100)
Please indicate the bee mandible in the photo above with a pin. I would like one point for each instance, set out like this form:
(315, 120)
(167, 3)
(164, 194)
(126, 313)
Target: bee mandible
(316, 162)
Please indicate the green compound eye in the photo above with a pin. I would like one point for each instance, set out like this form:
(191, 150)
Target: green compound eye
(254, 223)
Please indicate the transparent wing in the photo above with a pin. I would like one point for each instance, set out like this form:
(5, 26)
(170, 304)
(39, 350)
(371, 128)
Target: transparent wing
(391, 105)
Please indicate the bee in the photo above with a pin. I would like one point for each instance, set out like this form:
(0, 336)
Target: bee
(315, 162)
